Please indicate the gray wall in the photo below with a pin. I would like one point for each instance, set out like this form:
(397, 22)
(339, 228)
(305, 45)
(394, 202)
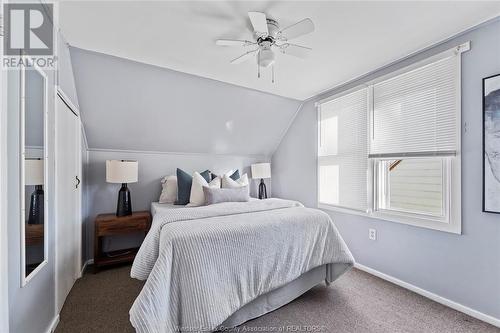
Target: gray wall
(102, 196)
(135, 106)
(166, 119)
(463, 268)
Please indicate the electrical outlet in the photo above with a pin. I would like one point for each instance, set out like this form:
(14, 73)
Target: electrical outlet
(372, 234)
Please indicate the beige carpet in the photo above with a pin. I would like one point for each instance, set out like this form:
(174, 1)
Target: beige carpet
(357, 302)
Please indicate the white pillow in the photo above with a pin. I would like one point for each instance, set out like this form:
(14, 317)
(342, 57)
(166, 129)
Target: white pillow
(169, 189)
(227, 182)
(197, 197)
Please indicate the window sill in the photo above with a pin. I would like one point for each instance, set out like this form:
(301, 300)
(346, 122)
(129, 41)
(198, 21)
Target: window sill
(455, 227)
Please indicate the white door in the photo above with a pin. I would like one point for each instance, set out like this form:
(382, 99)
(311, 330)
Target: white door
(68, 201)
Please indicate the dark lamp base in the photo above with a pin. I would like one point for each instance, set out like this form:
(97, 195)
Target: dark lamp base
(262, 190)
(36, 213)
(124, 206)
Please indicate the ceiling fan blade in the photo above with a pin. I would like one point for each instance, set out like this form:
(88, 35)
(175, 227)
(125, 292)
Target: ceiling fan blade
(244, 57)
(296, 50)
(298, 29)
(233, 42)
(259, 23)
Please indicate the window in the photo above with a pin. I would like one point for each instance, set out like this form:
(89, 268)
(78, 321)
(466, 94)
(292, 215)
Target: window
(391, 149)
(413, 186)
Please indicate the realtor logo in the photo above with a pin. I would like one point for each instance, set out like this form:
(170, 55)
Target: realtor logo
(28, 29)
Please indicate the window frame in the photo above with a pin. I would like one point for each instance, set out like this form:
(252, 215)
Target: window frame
(452, 200)
(452, 222)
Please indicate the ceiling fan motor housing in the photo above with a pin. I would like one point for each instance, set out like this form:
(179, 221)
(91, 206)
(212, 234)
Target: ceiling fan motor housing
(266, 56)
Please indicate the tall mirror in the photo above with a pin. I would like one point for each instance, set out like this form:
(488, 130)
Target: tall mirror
(33, 180)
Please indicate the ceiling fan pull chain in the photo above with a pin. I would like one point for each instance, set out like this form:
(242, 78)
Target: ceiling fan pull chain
(273, 73)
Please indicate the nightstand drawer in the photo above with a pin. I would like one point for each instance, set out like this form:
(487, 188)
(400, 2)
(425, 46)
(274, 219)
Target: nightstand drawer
(116, 227)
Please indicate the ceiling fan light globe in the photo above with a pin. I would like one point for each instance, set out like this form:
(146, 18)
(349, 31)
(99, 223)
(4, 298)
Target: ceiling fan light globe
(267, 58)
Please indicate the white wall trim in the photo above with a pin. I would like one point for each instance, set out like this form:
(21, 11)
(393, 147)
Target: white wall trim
(53, 325)
(439, 299)
(154, 152)
(67, 101)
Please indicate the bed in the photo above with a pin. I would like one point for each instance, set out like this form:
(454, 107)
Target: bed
(157, 207)
(215, 267)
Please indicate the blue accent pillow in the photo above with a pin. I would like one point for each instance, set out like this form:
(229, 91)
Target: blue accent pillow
(234, 176)
(184, 183)
(207, 175)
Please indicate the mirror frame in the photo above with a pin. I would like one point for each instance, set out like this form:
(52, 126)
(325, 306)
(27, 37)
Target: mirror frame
(26, 279)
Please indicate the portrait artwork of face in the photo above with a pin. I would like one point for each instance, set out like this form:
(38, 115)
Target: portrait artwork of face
(492, 144)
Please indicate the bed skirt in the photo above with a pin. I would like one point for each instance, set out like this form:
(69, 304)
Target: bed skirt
(284, 295)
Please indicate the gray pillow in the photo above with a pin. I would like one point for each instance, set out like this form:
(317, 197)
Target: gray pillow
(216, 195)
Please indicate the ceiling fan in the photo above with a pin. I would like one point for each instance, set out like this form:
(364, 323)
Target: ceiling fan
(269, 37)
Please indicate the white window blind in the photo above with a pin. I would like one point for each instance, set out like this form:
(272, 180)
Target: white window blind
(343, 151)
(416, 113)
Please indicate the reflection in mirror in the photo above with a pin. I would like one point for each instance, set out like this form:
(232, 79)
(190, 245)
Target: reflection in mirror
(34, 175)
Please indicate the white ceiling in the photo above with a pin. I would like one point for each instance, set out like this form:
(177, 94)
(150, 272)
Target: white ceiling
(351, 38)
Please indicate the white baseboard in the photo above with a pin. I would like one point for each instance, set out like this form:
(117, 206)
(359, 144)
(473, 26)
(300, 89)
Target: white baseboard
(454, 305)
(53, 324)
(84, 267)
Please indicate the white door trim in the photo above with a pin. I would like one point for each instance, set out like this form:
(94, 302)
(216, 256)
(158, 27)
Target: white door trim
(4, 277)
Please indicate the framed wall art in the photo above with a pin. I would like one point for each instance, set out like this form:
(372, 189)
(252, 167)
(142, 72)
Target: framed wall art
(491, 144)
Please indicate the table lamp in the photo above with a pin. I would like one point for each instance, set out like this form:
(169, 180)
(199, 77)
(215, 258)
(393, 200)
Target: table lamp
(122, 171)
(261, 171)
(34, 176)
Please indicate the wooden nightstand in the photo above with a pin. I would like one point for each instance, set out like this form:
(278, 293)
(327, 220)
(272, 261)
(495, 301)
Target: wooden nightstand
(34, 234)
(111, 225)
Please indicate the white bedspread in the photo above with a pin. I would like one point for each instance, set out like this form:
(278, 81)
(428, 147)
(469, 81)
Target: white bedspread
(203, 264)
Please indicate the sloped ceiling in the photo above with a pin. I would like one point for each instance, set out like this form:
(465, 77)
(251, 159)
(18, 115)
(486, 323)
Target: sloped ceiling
(351, 37)
(127, 105)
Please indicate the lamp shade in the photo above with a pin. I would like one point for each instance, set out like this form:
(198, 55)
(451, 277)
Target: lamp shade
(33, 172)
(121, 171)
(261, 170)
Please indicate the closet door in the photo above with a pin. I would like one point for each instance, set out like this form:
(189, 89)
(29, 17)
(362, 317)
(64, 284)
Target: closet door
(68, 200)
